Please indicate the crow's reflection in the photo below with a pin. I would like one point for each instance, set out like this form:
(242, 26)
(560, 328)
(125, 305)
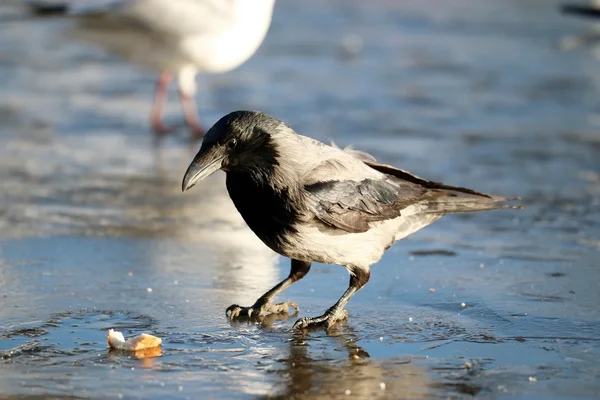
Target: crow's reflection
(314, 369)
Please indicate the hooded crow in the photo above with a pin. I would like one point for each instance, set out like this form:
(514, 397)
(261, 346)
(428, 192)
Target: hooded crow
(313, 202)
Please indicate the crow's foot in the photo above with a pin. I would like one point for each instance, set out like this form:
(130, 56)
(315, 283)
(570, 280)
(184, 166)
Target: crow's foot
(234, 311)
(327, 320)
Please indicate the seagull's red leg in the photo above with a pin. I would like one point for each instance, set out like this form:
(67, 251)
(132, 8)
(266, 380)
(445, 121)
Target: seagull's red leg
(160, 97)
(188, 104)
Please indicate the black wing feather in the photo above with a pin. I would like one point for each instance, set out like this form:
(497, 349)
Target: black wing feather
(407, 176)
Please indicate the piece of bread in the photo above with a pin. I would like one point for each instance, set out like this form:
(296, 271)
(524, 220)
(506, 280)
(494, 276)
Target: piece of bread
(116, 340)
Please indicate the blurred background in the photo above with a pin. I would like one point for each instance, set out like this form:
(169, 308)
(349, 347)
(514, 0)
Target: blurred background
(499, 95)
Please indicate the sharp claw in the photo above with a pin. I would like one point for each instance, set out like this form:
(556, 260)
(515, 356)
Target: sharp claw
(302, 323)
(329, 321)
(234, 311)
(231, 308)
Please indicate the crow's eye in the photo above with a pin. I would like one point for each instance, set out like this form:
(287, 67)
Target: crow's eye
(231, 144)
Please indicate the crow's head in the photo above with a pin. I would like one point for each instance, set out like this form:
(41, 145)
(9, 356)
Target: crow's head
(242, 141)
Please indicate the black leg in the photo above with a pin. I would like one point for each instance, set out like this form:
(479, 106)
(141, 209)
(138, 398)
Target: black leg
(263, 305)
(358, 278)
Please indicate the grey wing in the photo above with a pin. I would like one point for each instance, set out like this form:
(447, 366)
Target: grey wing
(352, 205)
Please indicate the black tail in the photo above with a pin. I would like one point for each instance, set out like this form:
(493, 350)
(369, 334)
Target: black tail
(445, 199)
(448, 201)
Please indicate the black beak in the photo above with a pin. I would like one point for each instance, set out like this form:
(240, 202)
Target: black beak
(206, 162)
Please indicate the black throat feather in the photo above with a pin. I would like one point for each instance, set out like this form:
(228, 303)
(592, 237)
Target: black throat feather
(268, 210)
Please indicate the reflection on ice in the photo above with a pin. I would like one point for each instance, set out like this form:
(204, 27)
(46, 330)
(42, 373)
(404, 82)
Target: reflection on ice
(108, 187)
(462, 92)
(311, 369)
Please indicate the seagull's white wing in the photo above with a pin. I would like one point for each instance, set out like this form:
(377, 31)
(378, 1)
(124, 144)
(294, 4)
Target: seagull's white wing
(183, 17)
(170, 17)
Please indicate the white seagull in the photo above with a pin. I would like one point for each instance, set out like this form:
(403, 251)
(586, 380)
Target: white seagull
(179, 38)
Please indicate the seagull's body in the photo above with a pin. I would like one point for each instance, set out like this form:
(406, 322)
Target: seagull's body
(179, 38)
(316, 203)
